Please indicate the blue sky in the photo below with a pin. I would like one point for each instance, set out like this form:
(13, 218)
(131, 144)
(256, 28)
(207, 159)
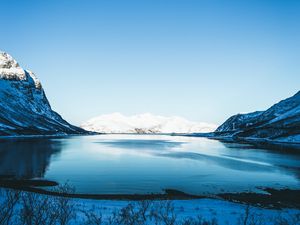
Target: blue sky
(203, 60)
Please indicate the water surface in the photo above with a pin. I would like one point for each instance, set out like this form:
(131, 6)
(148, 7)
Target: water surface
(126, 164)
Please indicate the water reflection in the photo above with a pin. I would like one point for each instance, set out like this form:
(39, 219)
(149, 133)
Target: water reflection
(148, 164)
(142, 144)
(231, 157)
(225, 162)
(26, 158)
(287, 158)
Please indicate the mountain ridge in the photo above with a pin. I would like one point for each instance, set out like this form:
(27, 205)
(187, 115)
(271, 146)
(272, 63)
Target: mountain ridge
(144, 123)
(24, 107)
(281, 122)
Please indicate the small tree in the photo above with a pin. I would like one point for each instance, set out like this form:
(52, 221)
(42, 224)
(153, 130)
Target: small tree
(7, 205)
(163, 212)
(64, 205)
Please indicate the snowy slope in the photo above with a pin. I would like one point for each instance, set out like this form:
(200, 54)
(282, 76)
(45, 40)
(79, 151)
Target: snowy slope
(281, 122)
(144, 123)
(24, 108)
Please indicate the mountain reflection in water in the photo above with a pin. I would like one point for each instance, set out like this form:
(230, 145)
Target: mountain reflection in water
(26, 158)
(141, 164)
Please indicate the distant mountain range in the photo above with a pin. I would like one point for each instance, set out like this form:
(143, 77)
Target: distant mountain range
(144, 124)
(24, 108)
(279, 123)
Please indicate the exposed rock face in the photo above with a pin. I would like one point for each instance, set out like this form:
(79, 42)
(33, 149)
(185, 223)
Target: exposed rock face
(281, 122)
(24, 108)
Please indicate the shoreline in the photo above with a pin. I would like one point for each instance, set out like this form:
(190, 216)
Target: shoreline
(257, 142)
(271, 199)
(260, 142)
(33, 136)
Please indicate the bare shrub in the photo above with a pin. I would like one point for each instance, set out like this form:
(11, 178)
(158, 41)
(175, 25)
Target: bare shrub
(295, 219)
(37, 209)
(249, 217)
(246, 217)
(144, 208)
(133, 214)
(163, 213)
(7, 206)
(199, 221)
(130, 215)
(113, 219)
(64, 205)
(93, 218)
(290, 219)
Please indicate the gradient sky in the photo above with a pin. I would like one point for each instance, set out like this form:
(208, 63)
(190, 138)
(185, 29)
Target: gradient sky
(203, 60)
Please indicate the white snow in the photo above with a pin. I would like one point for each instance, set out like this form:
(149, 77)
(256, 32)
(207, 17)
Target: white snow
(293, 112)
(224, 212)
(22, 99)
(145, 123)
(9, 68)
(6, 61)
(208, 209)
(37, 82)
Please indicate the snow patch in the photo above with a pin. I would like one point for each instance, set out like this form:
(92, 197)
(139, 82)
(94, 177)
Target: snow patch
(145, 123)
(24, 108)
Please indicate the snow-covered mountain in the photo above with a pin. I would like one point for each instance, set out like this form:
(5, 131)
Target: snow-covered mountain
(24, 108)
(144, 123)
(281, 122)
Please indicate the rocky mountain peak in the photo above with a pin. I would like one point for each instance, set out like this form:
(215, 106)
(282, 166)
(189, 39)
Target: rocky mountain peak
(7, 62)
(24, 108)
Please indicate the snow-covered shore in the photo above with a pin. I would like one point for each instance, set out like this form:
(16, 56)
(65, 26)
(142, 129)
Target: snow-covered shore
(19, 207)
(208, 209)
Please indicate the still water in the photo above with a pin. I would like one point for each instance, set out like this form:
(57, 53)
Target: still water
(119, 164)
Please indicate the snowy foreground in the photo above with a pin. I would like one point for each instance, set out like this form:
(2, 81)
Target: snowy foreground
(30, 208)
(209, 210)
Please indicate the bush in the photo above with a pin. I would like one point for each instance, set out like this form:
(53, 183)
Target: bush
(8, 204)
(163, 213)
(199, 221)
(27, 208)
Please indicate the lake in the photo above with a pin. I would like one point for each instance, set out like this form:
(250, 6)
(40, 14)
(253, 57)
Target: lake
(128, 164)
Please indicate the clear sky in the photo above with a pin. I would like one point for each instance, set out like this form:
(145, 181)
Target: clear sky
(203, 60)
